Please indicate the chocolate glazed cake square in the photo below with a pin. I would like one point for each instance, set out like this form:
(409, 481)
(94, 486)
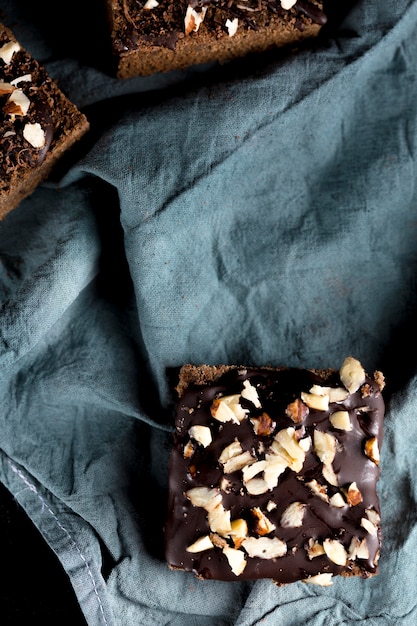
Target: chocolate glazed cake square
(164, 35)
(273, 473)
(38, 123)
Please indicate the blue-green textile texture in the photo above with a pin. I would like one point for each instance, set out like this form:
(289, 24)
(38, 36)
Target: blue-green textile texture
(263, 213)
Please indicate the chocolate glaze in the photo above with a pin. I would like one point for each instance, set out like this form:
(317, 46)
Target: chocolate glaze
(276, 389)
(16, 150)
(164, 24)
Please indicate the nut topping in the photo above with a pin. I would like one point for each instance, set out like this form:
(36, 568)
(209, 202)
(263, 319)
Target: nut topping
(236, 559)
(201, 434)
(314, 548)
(372, 450)
(324, 580)
(203, 543)
(353, 495)
(219, 520)
(263, 425)
(329, 474)
(262, 525)
(297, 411)
(204, 497)
(324, 446)
(249, 393)
(232, 26)
(193, 19)
(238, 532)
(293, 515)
(341, 420)
(264, 547)
(7, 51)
(352, 374)
(238, 462)
(335, 551)
(319, 402)
(286, 444)
(228, 409)
(305, 483)
(369, 526)
(358, 549)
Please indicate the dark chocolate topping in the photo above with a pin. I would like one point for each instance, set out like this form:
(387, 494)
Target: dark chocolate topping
(157, 25)
(16, 150)
(276, 390)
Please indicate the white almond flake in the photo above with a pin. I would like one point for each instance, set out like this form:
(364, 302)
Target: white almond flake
(21, 100)
(305, 443)
(265, 547)
(275, 466)
(314, 548)
(7, 51)
(219, 520)
(358, 549)
(9, 133)
(228, 409)
(249, 393)
(324, 580)
(353, 494)
(294, 452)
(293, 515)
(335, 551)
(363, 551)
(271, 505)
(341, 420)
(337, 500)
(189, 450)
(236, 559)
(225, 485)
(330, 475)
(324, 446)
(238, 462)
(35, 135)
(337, 394)
(202, 434)
(318, 489)
(239, 530)
(233, 449)
(262, 525)
(204, 497)
(21, 79)
(193, 19)
(373, 516)
(257, 486)
(151, 4)
(287, 4)
(315, 401)
(232, 26)
(203, 543)
(369, 526)
(352, 374)
(319, 390)
(252, 470)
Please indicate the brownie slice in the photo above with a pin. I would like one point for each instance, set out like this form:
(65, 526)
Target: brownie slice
(273, 473)
(37, 123)
(161, 35)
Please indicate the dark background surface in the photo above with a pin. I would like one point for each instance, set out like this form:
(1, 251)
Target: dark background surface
(34, 585)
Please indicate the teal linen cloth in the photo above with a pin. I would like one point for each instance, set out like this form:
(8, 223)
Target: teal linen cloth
(259, 213)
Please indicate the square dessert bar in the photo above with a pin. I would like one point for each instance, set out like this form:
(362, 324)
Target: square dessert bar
(37, 123)
(162, 35)
(273, 473)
